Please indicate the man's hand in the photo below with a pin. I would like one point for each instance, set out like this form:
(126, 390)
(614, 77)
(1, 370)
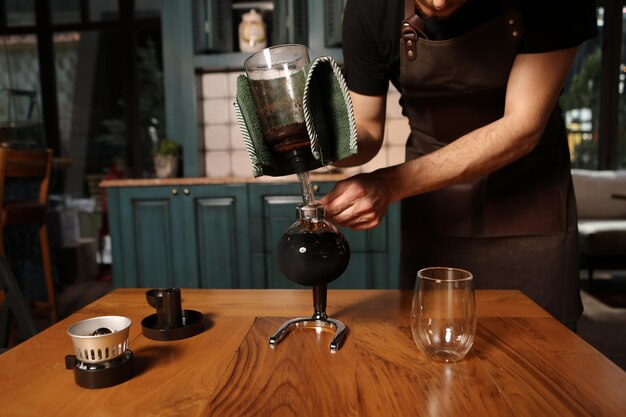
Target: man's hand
(359, 202)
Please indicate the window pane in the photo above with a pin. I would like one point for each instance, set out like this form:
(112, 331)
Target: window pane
(65, 11)
(147, 8)
(89, 96)
(20, 102)
(103, 10)
(20, 13)
(581, 101)
(150, 92)
(622, 99)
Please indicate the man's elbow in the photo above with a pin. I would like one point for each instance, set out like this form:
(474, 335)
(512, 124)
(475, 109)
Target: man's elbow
(526, 132)
(530, 139)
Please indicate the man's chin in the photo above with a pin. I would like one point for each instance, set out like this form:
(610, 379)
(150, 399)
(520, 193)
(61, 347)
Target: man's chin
(435, 14)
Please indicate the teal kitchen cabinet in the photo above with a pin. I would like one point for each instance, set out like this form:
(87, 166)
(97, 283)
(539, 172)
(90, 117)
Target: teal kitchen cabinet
(188, 236)
(374, 253)
(225, 236)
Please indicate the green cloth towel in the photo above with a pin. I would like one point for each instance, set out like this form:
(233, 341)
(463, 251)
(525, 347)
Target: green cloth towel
(328, 114)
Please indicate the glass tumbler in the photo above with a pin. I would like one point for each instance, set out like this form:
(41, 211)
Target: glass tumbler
(443, 314)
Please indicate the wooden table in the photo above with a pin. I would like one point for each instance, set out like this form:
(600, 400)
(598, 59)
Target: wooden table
(524, 363)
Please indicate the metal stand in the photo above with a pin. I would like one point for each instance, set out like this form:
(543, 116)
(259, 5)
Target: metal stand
(319, 319)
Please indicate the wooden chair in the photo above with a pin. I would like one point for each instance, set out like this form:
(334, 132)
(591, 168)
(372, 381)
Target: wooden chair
(35, 165)
(13, 305)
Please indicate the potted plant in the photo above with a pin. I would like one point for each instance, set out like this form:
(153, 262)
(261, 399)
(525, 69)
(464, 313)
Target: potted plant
(167, 158)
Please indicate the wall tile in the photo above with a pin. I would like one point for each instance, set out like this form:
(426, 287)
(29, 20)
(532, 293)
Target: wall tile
(217, 137)
(398, 131)
(240, 164)
(217, 163)
(232, 83)
(351, 170)
(379, 161)
(395, 155)
(214, 85)
(236, 140)
(232, 111)
(216, 111)
(394, 110)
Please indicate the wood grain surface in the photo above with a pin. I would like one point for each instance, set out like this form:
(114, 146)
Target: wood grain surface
(299, 377)
(523, 363)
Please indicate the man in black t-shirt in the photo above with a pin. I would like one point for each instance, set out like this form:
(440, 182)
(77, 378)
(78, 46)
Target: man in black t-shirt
(486, 185)
(371, 33)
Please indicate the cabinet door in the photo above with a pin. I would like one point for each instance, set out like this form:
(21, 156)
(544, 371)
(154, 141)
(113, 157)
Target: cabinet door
(179, 236)
(272, 211)
(333, 18)
(278, 214)
(213, 25)
(146, 233)
(217, 234)
(290, 22)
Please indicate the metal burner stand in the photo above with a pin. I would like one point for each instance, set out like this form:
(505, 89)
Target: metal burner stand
(318, 319)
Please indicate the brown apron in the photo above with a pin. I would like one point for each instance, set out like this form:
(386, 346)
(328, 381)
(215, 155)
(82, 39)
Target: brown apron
(514, 228)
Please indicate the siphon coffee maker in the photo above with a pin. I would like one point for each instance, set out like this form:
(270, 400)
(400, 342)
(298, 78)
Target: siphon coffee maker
(311, 252)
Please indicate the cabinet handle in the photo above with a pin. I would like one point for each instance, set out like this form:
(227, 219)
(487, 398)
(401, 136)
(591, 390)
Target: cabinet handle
(174, 191)
(316, 188)
(186, 191)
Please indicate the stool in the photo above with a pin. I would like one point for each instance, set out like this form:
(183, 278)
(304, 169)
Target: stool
(34, 165)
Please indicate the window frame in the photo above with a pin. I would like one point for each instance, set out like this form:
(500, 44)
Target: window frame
(128, 25)
(608, 142)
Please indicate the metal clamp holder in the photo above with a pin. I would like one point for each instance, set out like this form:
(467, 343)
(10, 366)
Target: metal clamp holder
(317, 320)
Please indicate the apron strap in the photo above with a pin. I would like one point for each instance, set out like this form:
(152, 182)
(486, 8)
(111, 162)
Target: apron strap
(412, 28)
(409, 8)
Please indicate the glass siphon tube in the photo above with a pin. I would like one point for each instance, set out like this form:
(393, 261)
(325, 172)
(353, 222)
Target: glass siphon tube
(305, 188)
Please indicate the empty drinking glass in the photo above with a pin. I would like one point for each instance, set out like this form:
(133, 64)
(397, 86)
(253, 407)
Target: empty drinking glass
(443, 314)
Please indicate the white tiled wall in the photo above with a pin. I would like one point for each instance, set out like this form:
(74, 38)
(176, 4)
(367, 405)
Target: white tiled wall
(224, 151)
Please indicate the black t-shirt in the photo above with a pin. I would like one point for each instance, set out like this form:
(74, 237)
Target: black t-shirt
(371, 33)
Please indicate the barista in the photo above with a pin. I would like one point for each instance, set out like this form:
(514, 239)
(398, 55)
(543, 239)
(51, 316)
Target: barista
(487, 184)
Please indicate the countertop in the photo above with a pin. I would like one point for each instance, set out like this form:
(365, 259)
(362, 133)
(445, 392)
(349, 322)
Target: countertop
(523, 363)
(150, 182)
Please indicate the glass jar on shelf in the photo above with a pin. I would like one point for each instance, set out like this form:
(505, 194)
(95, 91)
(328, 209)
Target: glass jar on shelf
(252, 32)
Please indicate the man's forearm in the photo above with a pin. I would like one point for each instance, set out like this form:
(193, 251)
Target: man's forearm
(532, 92)
(471, 156)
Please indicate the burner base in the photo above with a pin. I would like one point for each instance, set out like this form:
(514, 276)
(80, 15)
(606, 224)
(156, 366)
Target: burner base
(99, 375)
